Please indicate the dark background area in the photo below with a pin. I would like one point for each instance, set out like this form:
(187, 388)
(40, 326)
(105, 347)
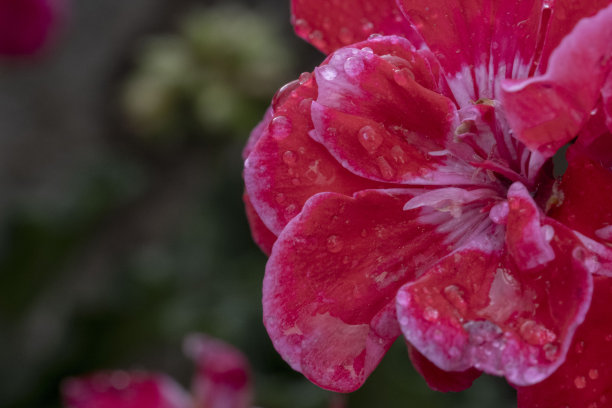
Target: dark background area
(117, 240)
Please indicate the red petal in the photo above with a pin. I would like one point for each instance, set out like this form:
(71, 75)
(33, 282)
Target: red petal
(329, 25)
(478, 42)
(223, 375)
(121, 389)
(563, 19)
(262, 236)
(25, 25)
(582, 202)
(287, 167)
(380, 123)
(585, 379)
(331, 281)
(548, 111)
(440, 380)
(476, 308)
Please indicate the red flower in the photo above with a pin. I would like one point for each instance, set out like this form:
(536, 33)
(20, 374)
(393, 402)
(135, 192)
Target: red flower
(406, 187)
(25, 25)
(222, 380)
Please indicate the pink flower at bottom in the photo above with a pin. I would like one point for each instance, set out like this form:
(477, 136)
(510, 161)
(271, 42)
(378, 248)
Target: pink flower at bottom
(222, 380)
(25, 25)
(406, 187)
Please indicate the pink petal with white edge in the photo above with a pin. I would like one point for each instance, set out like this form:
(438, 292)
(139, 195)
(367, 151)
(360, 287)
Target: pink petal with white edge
(286, 167)
(548, 111)
(223, 378)
(527, 240)
(329, 25)
(331, 281)
(585, 378)
(124, 389)
(476, 308)
(478, 42)
(380, 123)
(440, 380)
(262, 236)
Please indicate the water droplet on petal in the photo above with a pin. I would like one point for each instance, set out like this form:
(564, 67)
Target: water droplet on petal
(536, 334)
(482, 331)
(290, 209)
(345, 36)
(454, 295)
(304, 77)
(280, 127)
(430, 314)
(328, 73)
(280, 198)
(549, 232)
(364, 233)
(353, 66)
(551, 351)
(580, 382)
(289, 158)
(593, 373)
(334, 244)
(316, 39)
(370, 139)
(301, 27)
(305, 105)
(386, 171)
(579, 347)
(367, 27)
(403, 76)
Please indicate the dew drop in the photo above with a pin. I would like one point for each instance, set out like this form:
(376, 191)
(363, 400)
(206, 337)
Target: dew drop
(430, 314)
(403, 76)
(280, 198)
(316, 39)
(580, 382)
(305, 105)
(289, 158)
(551, 351)
(536, 334)
(328, 73)
(280, 127)
(482, 331)
(364, 233)
(593, 373)
(304, 77)
(301, 27)
(549, 232)
(367, 27)
(386, 170)
(334, 244)
(579, 347)
(295, 181)
(369, 138)
(608, 337)
(345, 36)
(454, 295)
(290, 209)
(353, 66)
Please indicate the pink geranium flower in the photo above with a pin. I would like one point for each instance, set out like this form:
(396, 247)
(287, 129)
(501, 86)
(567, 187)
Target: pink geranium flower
(406, 187)
(222, 380)
(25, 25)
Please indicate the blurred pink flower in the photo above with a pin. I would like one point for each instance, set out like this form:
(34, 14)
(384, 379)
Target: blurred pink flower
(406, 187)
(222, 380)
(25, 25)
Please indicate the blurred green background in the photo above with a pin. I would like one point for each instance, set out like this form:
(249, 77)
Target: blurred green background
(121, 220)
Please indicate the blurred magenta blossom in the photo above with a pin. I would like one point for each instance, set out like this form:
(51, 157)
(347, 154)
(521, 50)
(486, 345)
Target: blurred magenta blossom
(406, 186)
(26, 25)
(222, 380)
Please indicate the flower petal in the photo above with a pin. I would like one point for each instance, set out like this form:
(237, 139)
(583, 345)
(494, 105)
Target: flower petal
(257, 132)
(223, 375)
(263, 237)
(478, 42)
(286, 167)
(440, 380)
(379, 122)
(585, 379)
(330, 283)
(548, 111)
(124, 389)
(329, 25)
(25, 25)
(476, 308)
